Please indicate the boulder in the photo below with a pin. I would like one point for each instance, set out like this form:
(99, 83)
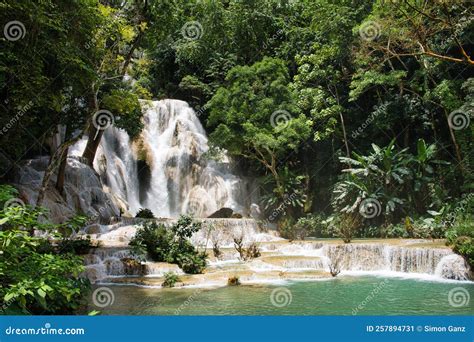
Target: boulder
(222, 213)
(83, 190)
(93, 229)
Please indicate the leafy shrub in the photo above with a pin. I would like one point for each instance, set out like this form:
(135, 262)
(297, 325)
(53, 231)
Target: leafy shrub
(152, 240)
(7, 192)
(37, 277)
(170, 279)
(185, 227)
(286, 228)
(397, 179)
(170, 245)
(311, 225)
(38, 283)
(346, 226)
(233, 281)
(394, 231)
(193, 263)
(464, 246)
(79, 246)
(145, 213)
(461, 238)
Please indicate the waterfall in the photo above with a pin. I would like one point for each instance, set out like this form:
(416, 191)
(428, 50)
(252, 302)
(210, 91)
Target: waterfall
(278, 255)
(182, 180)
(165, 169)
(440, 262)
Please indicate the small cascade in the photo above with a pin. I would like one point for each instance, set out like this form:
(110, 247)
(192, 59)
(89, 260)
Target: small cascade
(105, 262)
(381, 257)
(278, 256)
(415, 260)
(295, 262)
(109, 262)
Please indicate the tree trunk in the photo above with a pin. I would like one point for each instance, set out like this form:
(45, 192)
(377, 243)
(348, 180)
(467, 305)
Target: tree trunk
(62, 172)
(95, 135)
(348, 153)
(62, 166)
(54, 163)
(129, 56)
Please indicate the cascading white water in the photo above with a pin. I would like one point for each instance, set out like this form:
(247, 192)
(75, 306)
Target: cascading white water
(117, 166)
(181, 180)
(280, 256)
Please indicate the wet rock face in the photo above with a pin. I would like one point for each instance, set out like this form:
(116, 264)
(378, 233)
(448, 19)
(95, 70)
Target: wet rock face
(454, 267)
(133, 267)
(83, 190)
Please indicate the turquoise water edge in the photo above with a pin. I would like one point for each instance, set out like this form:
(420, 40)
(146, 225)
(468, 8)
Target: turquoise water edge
(344, 295)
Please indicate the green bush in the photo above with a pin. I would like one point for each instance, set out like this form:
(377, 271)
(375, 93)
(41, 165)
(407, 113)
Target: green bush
(38, 283)
(461, 239)
(192, 263)
(152, 240)
(145, 213)
(170, 245)
(399, 181)
(79, 246)
(345, 226)
(311, 225)
(464, 246)
(394, 231)
(170, 279)
(37, 276)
